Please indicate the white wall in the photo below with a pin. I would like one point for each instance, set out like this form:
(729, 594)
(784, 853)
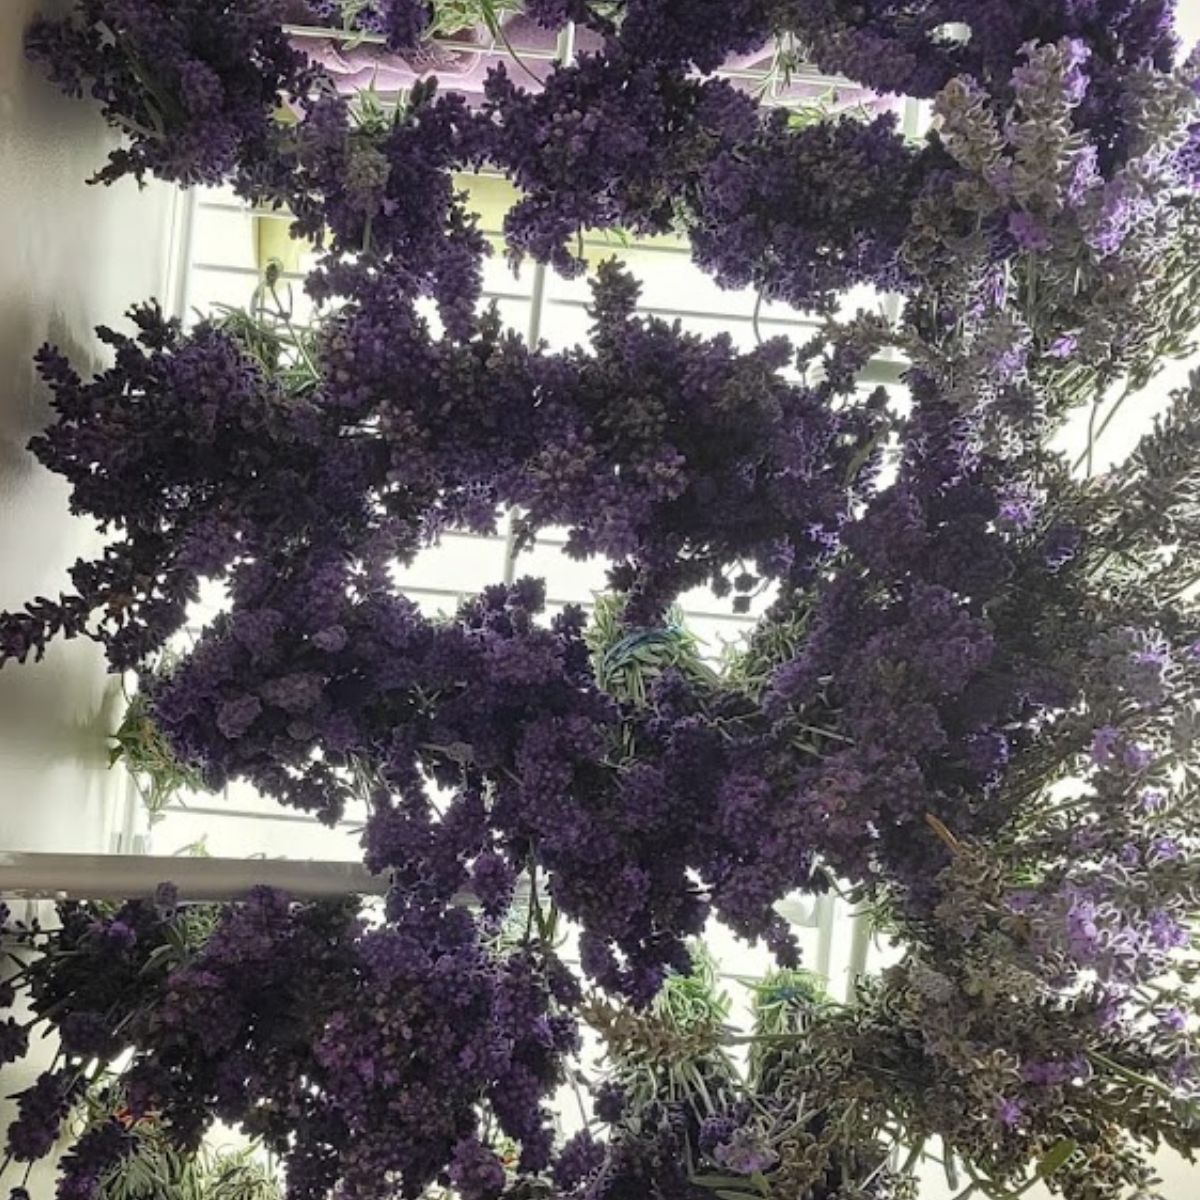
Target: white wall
(1189, 21)
(71, 256)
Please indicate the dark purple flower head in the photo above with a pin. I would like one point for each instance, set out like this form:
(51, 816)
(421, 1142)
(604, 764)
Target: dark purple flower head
(1174, 1019)
(14, 1041)
(41, 1110)
(403, 23)
(610, 1102)
(579, 1159)
(745, 1152)
(1062, 544)
(1153, 799)
(476, 1172)
(195, 97)
(492, 881)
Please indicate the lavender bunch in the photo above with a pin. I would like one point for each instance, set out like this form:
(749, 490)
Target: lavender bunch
(608, 141)
(320, 676)
(193, 86)
(329, 1041)
(974, 701)
(377, 188)
(685, 1118)
(617, 141)
(506, 718)
(916, 49)
(1058, 933)
(803, 214)
(677, 458)
(172, 422)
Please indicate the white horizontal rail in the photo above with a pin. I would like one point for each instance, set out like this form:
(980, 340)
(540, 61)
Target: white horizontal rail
(40, 876)
(33, 876)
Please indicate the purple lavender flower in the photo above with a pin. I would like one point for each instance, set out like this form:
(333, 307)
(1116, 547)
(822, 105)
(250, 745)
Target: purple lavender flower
(579, 1159)
(1174, 1019)
(610, 1102)
(1166, 932)
(1137, 757)
(403, 23)
(1104, 745)
(1063, 346)
(14, 1041)
(1028, 232)
(236, 716)
(475, 1171)
(117, 934)
(1084, 936)
(1153, 799)
(1062, 544)
(92, 1158)
(493, 880)
(195, 98)
(745, 1152)
(1055, 1072)
(41, 1110)
(331, 640)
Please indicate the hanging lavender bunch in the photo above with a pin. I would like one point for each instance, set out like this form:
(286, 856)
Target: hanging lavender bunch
(332, 1043)
(193, 86)
(952, 642)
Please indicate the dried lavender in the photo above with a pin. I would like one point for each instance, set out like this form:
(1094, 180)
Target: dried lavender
(973, 702)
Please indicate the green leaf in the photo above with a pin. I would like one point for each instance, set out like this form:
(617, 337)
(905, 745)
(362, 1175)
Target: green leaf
(1056, 1157)
(159, 956)
(719, 1182)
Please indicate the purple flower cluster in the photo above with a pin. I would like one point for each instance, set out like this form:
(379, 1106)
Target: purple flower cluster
(678, 457)
(670, 454)
(506, 716)
(193, 84)
(803, 214)
(91, 1159)
(386, 200)
(609, 141)
(902, 651)
(916, 48)
(616, 141)
(673, 455)
(403, 23)
(360, 1054)
(676, 33)
(950, 641)
(150, 448)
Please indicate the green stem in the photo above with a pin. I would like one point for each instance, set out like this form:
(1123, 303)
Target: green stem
(758, 303)
(827, 733)
(498, 32)
(1091, 435)
(913, 1157)
(1095, 434)
(286, 317)
(1130, 1075)
(534, 903)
